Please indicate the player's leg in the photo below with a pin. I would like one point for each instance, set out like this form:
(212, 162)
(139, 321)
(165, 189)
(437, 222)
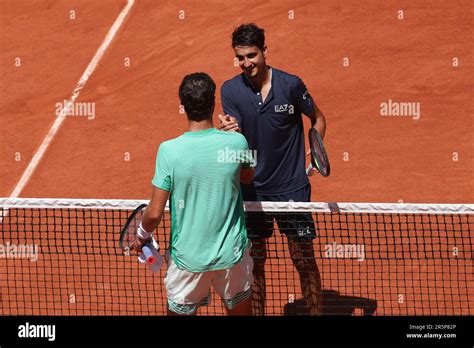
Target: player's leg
(300, 230)
(242, 308)
(302, 255)
(259, 228)
(259, 256)
(186, 291)
(234, 285)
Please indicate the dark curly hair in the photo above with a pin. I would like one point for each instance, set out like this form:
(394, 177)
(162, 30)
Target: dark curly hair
(197, 95)
(248, 35)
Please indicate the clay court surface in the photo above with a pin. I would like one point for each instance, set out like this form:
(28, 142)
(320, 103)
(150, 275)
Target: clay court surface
(374, 158)
(137, 107)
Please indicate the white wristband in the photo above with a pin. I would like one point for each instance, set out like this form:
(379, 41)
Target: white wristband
(142, 234)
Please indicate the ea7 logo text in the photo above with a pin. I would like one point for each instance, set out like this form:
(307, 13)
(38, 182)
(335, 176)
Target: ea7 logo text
(285, 108)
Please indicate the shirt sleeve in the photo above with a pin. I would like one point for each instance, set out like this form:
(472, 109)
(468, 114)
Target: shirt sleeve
(301, 96)
(163, 170)
(228, 104)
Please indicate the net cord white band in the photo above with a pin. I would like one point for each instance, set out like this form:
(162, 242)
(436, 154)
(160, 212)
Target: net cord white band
(375, 208)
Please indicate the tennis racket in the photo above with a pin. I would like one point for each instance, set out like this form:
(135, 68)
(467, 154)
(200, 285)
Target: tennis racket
(319, 158)
(129, 230)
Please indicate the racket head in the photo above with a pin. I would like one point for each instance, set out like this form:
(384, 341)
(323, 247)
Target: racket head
(129, 229)
(319, 158)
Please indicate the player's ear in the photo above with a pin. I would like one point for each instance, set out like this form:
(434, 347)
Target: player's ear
(264, 51)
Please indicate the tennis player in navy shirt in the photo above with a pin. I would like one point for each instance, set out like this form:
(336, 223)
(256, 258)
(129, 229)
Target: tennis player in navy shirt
(266, 105)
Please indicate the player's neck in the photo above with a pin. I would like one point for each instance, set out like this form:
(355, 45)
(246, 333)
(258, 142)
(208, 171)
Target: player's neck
(264, 79)
(194, 126)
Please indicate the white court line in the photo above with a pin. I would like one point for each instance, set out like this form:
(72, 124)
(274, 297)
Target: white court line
(60, 118)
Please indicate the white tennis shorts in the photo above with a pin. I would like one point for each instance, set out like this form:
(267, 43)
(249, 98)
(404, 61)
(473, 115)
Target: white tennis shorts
(187, 291)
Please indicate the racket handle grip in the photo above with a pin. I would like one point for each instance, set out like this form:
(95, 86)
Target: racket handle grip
(309, 170)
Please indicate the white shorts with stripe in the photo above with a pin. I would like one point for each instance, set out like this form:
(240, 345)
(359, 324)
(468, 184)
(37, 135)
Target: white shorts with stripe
(187, 291)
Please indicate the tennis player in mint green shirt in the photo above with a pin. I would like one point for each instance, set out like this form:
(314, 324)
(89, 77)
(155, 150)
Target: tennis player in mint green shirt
(200, 173)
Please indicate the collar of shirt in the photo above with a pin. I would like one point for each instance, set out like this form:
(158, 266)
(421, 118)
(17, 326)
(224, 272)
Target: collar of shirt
(257, 95)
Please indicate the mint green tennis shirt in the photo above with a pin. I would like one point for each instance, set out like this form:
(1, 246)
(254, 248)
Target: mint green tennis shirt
(202, 172)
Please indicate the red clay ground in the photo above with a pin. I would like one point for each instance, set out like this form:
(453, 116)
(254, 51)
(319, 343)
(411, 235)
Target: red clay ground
(390, 158)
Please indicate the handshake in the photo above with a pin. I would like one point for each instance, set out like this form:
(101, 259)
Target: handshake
(228, 123)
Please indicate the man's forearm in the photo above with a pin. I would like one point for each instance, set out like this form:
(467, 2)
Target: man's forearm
(154, 212)
(320, 123)
(150, 222)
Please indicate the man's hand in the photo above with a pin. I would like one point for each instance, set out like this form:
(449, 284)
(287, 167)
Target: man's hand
(310, 170)
(228, 123)
(139, 243)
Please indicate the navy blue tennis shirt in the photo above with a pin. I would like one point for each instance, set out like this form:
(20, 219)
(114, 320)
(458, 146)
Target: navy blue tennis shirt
(273, 128)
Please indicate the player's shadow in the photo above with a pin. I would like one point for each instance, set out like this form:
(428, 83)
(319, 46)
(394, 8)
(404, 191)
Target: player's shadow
(334, 304)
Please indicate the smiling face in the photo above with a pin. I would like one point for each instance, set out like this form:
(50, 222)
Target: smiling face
(251, 60)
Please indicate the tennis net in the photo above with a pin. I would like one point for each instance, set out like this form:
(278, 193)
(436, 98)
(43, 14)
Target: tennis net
(62, 257)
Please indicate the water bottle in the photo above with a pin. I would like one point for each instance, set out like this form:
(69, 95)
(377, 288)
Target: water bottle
(151, 256)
